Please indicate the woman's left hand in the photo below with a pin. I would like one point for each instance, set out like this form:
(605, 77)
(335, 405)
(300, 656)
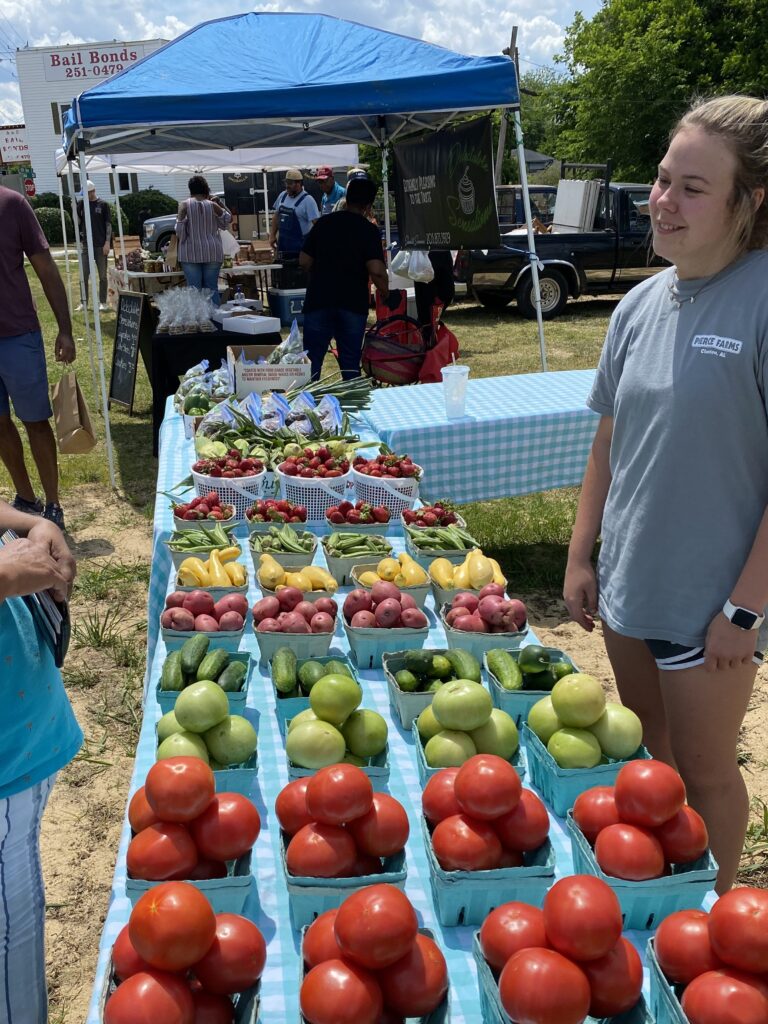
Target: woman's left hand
(728, 646)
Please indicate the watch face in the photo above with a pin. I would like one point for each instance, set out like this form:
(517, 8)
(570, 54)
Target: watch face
(743, 619)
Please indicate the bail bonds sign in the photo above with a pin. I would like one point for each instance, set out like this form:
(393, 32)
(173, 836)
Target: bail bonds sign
(90, 62)
(445, 191)
(14, 148)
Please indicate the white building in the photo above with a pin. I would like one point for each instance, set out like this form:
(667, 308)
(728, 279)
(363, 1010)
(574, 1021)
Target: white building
(50, 77)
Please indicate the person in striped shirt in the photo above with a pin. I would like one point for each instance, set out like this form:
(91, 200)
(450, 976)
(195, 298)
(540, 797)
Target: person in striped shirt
(198, 222)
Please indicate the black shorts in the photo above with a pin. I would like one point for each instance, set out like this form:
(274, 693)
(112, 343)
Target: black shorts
(672, 657)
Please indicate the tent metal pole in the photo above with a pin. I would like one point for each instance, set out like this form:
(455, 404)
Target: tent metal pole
(66, 246)
(266, 206)
(97, 318)
(511, 51)
(83, 292)
(385, 187)
(531, 240)
(116, 191)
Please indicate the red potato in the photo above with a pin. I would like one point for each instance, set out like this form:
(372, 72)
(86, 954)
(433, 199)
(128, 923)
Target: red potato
(383, 591)
(491, 590)
(181, 620)
(471, 624)
(321, 622)
(175, 599)
(518, 613)
(406, 601)
(327, 605)
(414, 618)
(231, 622)
(289, 597)
(387, 613)
(363, 620)
(306, 609)
(166, 619)
(357, 601)
(294, 622)
(269, 625)
(468, 601)
(231, 603)
(266, 608)
(199, 603)
(206, 624)
(456, 613)
(492, 609)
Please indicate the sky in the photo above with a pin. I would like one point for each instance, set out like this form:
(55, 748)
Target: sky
(477, 27)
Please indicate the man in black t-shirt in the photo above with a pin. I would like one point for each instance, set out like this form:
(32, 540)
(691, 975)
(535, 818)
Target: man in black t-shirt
(101, 225)
(340, 254)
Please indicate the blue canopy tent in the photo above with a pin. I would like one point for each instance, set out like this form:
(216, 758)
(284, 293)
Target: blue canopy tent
(279, 80)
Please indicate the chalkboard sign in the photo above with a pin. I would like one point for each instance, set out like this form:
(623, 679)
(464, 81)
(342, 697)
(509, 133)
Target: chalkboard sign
(133, 333)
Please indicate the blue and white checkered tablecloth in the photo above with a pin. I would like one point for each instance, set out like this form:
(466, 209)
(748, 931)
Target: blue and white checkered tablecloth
(523, 433)
(268, 903)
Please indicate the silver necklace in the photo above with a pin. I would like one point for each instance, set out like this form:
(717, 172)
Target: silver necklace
(674, 294)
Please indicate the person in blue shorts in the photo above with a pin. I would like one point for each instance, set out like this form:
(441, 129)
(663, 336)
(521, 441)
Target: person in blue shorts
(677, 480)
(38, 736)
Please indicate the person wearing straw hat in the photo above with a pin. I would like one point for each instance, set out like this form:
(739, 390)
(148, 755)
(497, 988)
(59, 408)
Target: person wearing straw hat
(295, 213)
(101, 225)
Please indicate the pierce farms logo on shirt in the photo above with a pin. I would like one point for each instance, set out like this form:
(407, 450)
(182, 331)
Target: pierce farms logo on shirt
(713, 345)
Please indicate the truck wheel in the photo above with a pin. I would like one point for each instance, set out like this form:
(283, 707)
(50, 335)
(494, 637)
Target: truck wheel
(554, 295)
(164, 240)
(494, 300)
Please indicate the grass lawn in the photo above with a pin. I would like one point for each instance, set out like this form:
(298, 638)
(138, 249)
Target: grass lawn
(528, 535)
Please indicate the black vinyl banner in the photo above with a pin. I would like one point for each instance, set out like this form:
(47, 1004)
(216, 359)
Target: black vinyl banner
(444, 189)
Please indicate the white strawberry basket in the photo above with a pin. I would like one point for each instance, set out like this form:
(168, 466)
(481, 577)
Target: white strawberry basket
(316, 494)
(396, 492)
(240, 491)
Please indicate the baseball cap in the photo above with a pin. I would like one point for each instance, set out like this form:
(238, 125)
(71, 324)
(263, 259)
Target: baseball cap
(90, 186)
(356, 172)
(294, 174)
(323, 173)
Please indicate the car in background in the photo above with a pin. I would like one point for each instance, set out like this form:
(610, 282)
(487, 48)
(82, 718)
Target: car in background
(158, 231)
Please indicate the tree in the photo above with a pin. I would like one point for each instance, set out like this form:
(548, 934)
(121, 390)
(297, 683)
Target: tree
(637, 65)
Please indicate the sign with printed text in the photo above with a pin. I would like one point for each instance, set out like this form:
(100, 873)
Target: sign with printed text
(444, 189)
(90, 63)
(14, 148)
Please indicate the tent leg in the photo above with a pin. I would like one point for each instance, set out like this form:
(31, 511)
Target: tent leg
(531, 241)
(83, 293)
(116, 191)
(97, 319)
(66, 246)
(385, 187)
(497, 171)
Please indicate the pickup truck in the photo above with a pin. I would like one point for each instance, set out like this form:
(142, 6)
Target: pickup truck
(612, 258)
(158, 231)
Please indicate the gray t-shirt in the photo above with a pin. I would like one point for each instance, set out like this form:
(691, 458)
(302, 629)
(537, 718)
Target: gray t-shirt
(686, 387)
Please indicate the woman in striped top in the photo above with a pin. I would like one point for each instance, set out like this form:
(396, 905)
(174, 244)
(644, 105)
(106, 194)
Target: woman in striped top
(199, 242)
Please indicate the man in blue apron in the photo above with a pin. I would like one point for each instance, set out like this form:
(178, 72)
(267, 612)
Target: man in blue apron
(295, 213)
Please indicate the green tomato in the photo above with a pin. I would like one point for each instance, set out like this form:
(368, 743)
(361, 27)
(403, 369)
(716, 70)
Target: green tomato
(333, 698)
(315, 745)
(448, 749)
(183, 744)
(427, 725)
(578, 700)
(618, 731)
(167, 726)
(231, 741)
(574, 748)
(462, 704)
(365, 733)
(498, 736)
(200, 706)
(543, 720)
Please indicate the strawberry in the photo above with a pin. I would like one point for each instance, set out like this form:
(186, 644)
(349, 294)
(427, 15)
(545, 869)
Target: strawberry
(353, 516)
(306, 473)
(429, 519)
(189, 516)
(204, 508)
(335, 517)
(301, 512)
(329, 511)
(215, 514)
(345, 506)
(211, 499)
(229, 473)
(381, 514)
(216, 471)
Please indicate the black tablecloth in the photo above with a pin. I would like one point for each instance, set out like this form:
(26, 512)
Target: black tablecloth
(174, 354)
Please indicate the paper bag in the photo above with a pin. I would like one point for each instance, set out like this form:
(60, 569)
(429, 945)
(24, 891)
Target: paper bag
(172, 253)
(74, 431)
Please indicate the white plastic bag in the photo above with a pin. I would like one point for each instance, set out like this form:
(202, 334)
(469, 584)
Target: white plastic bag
(420, 268)
(399, 264)
(229, 243)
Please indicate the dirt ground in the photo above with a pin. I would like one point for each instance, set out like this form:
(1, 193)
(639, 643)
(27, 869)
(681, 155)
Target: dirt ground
(81, 829)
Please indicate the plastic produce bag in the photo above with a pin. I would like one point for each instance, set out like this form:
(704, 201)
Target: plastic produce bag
(250, 406)
(331, 416)
(420, 268)
(291, 350)
(400, 263)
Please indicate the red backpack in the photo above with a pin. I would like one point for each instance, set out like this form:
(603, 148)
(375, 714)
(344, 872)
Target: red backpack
(393, 350)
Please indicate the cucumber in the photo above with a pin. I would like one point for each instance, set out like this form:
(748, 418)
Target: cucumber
(309, 673)
(172, 677)
(464, 664)
(232, 678)
(336, 668)
(441, 668)
(407, 681)
(192, 653)
(505, 668)
(539, 680)
(284, 670)
(213, 664)
(418, 662)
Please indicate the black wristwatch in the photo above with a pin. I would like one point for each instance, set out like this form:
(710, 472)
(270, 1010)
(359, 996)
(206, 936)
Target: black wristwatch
(742, 617)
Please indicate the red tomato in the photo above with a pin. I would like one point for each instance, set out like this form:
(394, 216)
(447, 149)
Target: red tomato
(161, 851)
(375, 926)
(213, 1009)
(582, 917)
(338, 794)
(321, 851)
(648, 793)
(366, 865)
(291, 806)
(179, 788)
(629, 851)
(486, 786)
(438, 800)
(415, 984)
(125, 959)
(464, 844)
(509, 928)
(206, 869)
(595, 809)
(526, 826)
(236, 957)
(140, 814)
(511, 859)
(383, 830)
(725, 997)
(320, 940)
(615, 980)
(149, 997)
(738, 929)
(539, 986)
(683, 948)
(227, 828)
(684, 837)
(172, 926)
(338, 992)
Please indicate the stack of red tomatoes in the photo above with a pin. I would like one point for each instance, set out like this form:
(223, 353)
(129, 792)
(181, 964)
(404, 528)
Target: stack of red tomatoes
(183, 828)
(338, 827)
(177, 962)
(720, 957)
(482, 817)
(642, 824)
(556, 965)
(367, 962)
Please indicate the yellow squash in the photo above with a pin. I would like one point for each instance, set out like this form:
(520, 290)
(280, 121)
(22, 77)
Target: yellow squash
(227, 554)
(412, 571)
(498, 575)
(271, 573)
(236, 573)
(196, 568)
(442, 572)
(480, 569)
(388, 568)
(216, 573)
